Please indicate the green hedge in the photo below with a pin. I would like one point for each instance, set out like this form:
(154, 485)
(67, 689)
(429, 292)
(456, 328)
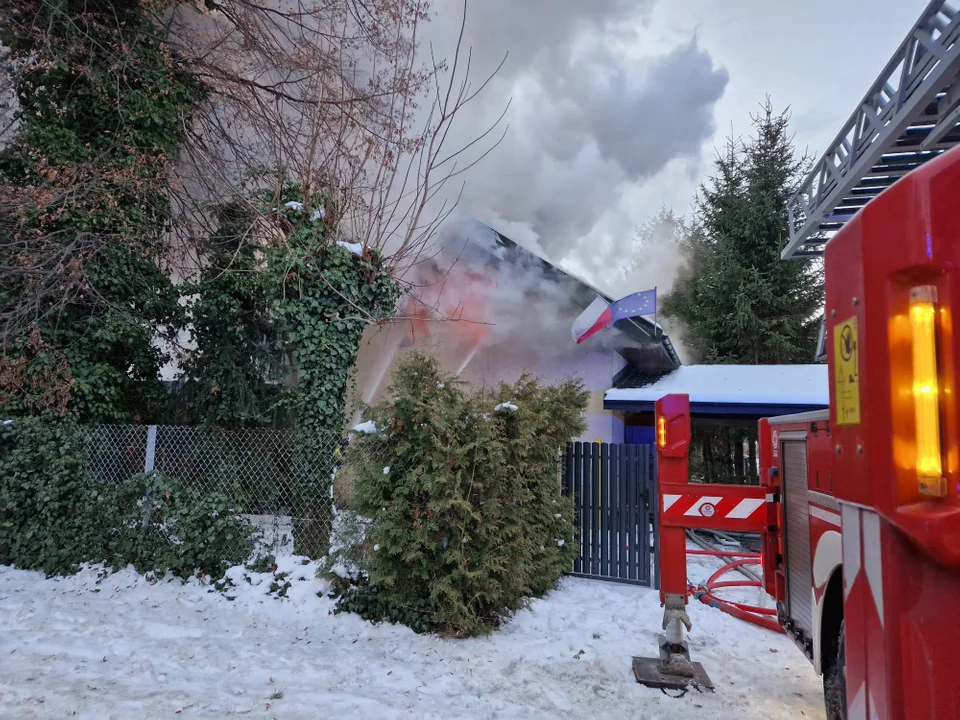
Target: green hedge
(467, 515)
(53, 518)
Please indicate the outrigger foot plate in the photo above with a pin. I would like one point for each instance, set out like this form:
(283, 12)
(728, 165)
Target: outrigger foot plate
(649, 672)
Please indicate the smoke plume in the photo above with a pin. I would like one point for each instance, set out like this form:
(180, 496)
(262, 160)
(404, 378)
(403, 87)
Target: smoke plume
(591, 118)
(479, 295)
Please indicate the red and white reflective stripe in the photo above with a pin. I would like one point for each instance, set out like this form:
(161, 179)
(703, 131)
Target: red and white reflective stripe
(863, 706)
(872, 566)
(851, 546)
(826, 515)
(746, 508)
(857, 707)
(713, 506)
(863, 571)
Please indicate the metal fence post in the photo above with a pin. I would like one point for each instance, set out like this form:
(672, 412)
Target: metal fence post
(148, 464)
(653, 507)
(151, 448)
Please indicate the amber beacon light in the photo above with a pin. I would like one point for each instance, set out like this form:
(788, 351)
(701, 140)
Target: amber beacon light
(926, 391)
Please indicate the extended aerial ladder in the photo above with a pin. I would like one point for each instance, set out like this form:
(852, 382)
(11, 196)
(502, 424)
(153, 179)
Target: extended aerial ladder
(909, 116)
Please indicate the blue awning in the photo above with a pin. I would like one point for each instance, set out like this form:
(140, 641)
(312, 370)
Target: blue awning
(743, 391)
(710, 409)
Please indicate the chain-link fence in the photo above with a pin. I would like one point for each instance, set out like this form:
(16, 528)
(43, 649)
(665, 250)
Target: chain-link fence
(280, 481)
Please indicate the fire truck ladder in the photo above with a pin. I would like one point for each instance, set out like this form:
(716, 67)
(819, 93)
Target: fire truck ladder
(909, 116)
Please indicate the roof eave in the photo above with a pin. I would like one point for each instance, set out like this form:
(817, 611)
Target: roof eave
(714, 409)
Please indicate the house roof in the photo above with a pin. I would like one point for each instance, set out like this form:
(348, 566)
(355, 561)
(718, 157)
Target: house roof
(744, 390)
(632, 376)
(649, 351)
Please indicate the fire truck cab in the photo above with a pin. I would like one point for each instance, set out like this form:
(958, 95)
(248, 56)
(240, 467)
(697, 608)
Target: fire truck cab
(862, 546)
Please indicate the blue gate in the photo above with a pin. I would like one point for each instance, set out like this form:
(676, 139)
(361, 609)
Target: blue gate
(613, 489)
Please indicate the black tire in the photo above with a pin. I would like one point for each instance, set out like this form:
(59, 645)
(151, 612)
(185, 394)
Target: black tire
(835, 680)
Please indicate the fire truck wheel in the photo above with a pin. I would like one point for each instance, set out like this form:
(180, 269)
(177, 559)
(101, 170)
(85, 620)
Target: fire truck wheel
(834, 680)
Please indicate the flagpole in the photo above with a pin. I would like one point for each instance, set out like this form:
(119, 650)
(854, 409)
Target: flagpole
(656, 326)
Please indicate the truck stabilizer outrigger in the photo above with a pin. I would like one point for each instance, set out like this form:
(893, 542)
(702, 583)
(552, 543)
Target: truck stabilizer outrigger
(681, 507)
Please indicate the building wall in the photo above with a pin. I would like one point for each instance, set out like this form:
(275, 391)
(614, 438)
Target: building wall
(603, 425)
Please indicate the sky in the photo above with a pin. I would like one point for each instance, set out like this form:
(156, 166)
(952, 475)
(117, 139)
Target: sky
(617, 107)
(818, 57)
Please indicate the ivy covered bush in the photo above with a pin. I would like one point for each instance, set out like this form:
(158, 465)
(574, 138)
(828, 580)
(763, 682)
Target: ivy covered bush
(233, 377)
(54, 519)
(102, 110)
(461, 488)
(329, 293)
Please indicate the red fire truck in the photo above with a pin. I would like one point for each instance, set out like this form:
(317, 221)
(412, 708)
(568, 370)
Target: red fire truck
(860, 502)
(859, 505)
(864, 556)
(863, 548)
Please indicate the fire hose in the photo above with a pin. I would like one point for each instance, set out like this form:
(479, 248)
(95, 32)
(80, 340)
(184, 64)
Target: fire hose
(739, 561)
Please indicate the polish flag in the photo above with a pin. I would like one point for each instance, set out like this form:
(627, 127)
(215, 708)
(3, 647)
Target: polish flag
(590, 320)
(600, 315)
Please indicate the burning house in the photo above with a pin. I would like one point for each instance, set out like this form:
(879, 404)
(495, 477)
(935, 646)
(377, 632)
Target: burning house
(491, 310)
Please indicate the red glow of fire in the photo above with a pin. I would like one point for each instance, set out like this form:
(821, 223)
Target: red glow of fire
(457, 298)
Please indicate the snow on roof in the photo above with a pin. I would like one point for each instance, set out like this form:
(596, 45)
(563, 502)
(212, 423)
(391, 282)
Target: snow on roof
(740, 384)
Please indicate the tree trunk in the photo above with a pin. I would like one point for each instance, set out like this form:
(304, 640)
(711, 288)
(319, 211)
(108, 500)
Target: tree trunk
(739, 470)
(728, 465)
(707, 452)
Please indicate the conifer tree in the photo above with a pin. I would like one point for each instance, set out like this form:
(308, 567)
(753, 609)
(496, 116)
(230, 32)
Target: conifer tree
(660, 234)
(739, 302)
(463, 493)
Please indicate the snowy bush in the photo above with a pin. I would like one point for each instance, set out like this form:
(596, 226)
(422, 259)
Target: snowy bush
(53, 518)
(196, 531)
(348, 544)
(469, 521)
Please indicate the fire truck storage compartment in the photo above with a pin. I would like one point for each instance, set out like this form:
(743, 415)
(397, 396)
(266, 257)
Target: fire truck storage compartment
(793, 455)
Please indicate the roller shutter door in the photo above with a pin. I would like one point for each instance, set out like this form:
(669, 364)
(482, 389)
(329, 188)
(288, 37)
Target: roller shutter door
(796, 514)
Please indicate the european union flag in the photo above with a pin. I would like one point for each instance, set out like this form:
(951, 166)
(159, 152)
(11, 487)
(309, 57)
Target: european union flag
(641, 303)
(600, 315)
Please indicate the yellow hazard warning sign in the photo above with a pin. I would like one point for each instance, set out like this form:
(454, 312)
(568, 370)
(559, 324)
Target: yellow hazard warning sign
(846, 372)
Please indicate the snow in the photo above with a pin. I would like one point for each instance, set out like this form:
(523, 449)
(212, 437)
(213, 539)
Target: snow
(274, 534)
(294, 205)
(749, 384)
(506, 406)
(367, 428)
(355, 248)
(341, 570)
(318, 214)
(120, 646)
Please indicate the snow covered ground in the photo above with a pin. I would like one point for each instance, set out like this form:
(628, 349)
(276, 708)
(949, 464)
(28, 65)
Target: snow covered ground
(121, 647)
(274, 534)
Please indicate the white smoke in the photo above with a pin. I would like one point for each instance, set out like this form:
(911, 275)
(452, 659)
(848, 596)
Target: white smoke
(590, 121)
(520, 303)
